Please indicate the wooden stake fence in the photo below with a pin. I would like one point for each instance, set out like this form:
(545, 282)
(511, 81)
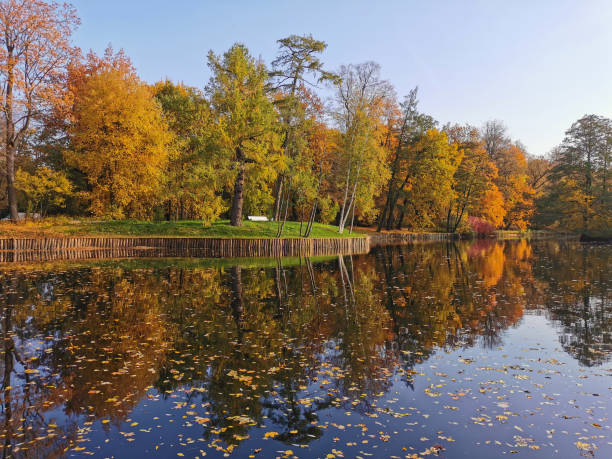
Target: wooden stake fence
(43, 249)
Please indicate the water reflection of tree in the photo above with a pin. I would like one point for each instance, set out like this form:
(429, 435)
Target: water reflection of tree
(253, 368)
(24, 400)
(576, 295)
(251, 339)
(259, 343)
(445, 296)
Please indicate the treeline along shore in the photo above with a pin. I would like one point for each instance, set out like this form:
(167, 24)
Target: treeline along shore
(83, 135)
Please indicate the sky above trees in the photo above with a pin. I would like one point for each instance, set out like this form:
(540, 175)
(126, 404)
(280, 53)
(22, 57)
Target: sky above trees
(536, 65)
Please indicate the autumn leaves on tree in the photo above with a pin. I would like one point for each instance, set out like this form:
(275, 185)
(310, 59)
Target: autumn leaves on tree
(35, 51)
(85, 135)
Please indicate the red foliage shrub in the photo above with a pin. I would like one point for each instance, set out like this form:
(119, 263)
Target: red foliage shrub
(481, 227)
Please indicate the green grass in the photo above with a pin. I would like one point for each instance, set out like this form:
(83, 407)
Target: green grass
(220, 229)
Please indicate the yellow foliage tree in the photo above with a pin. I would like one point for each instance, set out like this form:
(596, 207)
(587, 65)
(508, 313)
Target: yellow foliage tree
(491, 206)
(121, 143)
(44, 189)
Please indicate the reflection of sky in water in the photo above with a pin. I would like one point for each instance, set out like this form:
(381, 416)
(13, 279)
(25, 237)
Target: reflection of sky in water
(473, 350)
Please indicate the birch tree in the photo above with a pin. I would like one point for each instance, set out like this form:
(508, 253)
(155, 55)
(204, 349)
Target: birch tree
(360, 103)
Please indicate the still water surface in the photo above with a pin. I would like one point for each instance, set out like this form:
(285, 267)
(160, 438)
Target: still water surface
(451, 350)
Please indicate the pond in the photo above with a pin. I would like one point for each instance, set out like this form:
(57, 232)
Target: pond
(474, 349)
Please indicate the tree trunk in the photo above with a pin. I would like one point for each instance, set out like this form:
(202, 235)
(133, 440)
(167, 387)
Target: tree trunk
(311, 219)
(11, 140)
(10, 182)
(448, 218)
(383, 216)
(400, 219)
(236, 217)
(277, 200)
(281, 224)
(346, 191)
(393, 202)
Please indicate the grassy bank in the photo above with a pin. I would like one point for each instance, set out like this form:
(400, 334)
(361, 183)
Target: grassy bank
(221, 229)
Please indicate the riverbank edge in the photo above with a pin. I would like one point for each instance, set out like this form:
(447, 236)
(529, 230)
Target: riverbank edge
(21, 249)
(117, 247)
(391, 237)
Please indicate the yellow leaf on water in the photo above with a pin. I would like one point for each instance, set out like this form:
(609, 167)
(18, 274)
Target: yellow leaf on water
(585, 446)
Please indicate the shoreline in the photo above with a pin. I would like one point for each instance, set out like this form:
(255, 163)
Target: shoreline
(31, 249)
(35, 249)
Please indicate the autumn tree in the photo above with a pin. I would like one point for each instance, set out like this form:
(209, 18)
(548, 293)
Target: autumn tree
(430, 171)
(297, 61)
(580, 175)
(192, 186)
(44, 189)
(538, 172)
(406, 129)
(474, 190)
(120, 142)
(361, 101)
(243, 122)
(512, 180)
(34, 53)
(513, 183)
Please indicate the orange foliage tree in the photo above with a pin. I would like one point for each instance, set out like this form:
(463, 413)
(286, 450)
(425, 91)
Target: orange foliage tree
(35, 51)
(117, 124)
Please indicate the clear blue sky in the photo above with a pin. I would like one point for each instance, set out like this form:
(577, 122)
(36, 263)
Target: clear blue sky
(537, 65)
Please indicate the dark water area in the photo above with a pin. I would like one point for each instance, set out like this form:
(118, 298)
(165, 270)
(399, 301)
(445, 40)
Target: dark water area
(456, 350)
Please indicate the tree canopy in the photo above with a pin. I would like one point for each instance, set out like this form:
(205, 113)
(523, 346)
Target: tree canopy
(292, 140)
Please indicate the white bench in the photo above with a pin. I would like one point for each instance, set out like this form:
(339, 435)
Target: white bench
(257, 218)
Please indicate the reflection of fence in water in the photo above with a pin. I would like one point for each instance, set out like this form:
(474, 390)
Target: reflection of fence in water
(73, 248)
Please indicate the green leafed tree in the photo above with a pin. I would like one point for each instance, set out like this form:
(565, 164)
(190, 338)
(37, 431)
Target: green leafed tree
(244, 136)
(581, 175)
(193, 185)
(297, 66)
